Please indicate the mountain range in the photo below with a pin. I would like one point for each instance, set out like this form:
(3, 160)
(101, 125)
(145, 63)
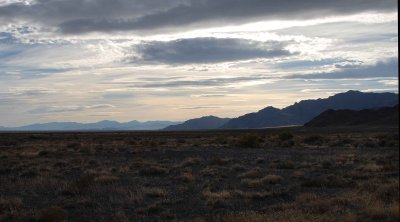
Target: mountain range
(303, 111)
(387, 116)
(102, 125)
(205, 122)
(297, 114)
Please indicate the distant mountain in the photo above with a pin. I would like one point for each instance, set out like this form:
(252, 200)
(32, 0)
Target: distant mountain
(303, 111)
(205, 122)
(102, 125)
(388, 116)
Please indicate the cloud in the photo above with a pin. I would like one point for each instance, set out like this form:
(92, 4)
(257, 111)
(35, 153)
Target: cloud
(208, 50)
(391, 82)
(388, 68)
(100, 106)
(222, 81)
(63, 109)
(48, 109)
(200, 107)
(298, 64)
(210, 95)
(75, 16)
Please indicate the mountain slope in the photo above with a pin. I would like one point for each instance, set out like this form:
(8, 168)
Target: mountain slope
(388, 116)
(302, 112)
(205, 122)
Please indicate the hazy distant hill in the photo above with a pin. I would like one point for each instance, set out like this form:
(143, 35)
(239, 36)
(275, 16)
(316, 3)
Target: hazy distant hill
(302, 112)
(205, 122)
(102, 125)
(387, 116)
(296, 114)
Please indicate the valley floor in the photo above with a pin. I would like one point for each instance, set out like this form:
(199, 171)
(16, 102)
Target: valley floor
(291, 174)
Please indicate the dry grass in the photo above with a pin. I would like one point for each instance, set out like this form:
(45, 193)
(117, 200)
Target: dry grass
(253, 173)
(191, 161)
(269, 179)
(155, 192)
(187, 177)
(153, 171)
(200, 176)
(52, 214)
(292, 215)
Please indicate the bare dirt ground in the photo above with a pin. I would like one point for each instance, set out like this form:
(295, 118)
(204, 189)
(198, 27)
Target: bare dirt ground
(294, 174)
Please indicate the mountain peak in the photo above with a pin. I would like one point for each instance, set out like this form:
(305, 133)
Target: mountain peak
(205, 122)
(108, 122)
(269, 108)
(303, 111)
(352, 92)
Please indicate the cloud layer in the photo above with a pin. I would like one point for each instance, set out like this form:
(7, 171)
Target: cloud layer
(381, 69)
(209, 50)
(75, 16)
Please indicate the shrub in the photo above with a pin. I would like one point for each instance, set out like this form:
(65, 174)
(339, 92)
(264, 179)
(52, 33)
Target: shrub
(313, 140)
(388, 192)
(254, 173)
(330, 181)
(151, 209)
(219, 161)
(260, 160)
(28, 174)
(181, 141)
(269, 179)
(106, 179)
(250, 140)
(153, 171)
(186, 177)
(52, 214)
(82, 184)
(285, 136)
(288, 143)
(43, 153)
(220, 140)
(155, 192)
(286, 164)
(11, 204)
(190, 161)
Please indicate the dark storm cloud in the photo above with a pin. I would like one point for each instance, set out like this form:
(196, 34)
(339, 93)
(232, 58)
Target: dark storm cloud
(387, 68)
(208, 50)
(75, 16)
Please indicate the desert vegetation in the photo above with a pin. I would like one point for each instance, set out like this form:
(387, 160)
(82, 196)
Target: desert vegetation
(259, 175)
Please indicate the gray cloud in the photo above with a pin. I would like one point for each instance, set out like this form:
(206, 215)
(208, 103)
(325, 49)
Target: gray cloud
(75, 16)
(297, 64)
(200, 82)
(47, 109)
(179, 82)
(60, 109)
(387, 68)
(200, 107)
(208, 50)
(350, 32)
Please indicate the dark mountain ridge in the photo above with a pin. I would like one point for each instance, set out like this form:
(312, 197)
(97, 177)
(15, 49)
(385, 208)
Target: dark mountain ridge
(303, 111)
(387, 116)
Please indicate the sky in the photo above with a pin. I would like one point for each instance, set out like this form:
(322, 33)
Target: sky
(123, 60)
